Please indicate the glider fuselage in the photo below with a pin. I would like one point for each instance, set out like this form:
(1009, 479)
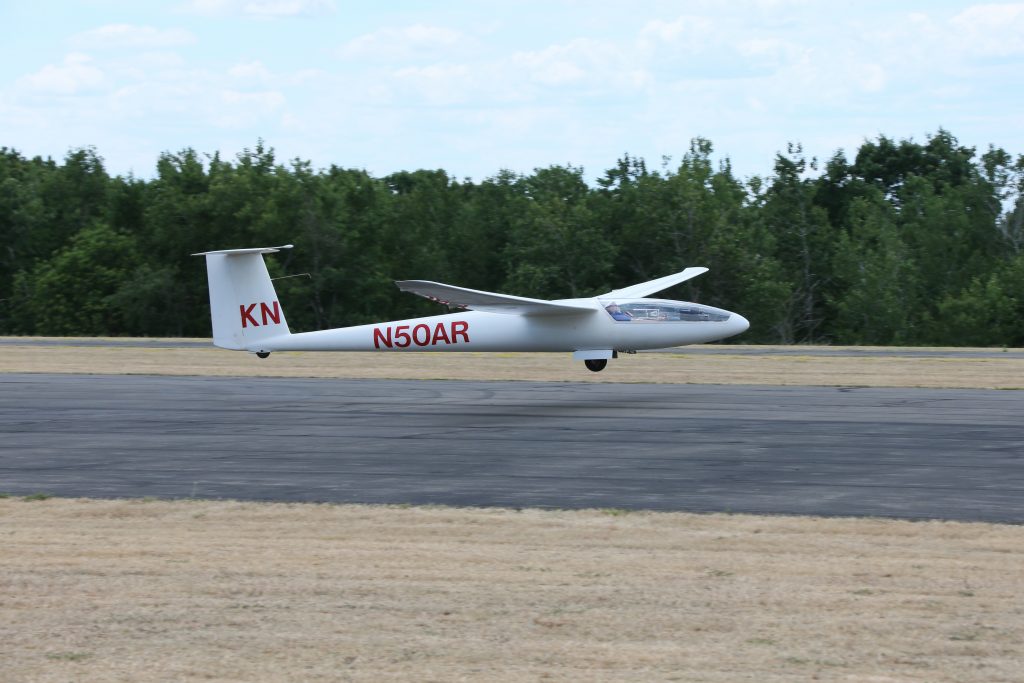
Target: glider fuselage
(485, 331)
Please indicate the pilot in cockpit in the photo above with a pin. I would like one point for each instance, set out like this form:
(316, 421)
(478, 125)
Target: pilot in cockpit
(617, 313)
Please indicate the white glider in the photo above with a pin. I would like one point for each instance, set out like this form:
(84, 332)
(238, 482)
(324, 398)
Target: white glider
(247, 316)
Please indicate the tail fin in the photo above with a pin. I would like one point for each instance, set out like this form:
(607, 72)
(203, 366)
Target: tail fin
(243, 304)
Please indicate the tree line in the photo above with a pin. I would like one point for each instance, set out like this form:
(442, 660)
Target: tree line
(916, 243)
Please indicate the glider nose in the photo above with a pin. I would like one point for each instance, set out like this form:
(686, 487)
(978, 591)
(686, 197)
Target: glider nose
(738, 323)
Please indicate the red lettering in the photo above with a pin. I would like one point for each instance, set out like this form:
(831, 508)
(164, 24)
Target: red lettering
(440, 334)
(416, 335)
(400, 333)
(247, 318)
(379, 338)
(273, 314)
(404, 336)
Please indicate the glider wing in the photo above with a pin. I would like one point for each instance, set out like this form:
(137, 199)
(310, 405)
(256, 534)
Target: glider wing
(491, 302)
(651, 286)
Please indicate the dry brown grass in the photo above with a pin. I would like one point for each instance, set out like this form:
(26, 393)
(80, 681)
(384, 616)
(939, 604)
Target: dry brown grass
(808, 370)
(158, 591)
(225, 591)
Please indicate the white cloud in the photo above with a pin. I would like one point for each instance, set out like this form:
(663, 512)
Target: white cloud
(772, 5)
(493, 86)
(991, 30)
(402, 44)
(252, 72)
(287, 8)
(206, 7)
(269, 100)
(261, 9)
(871, 78)
(573, 62)
(440, 84)
(771, 51)
(693, 47)
(548, 67)
(75, 75)
(158, 60)
(687, 30)
(129, 36)
(556, 75)
(148, 91)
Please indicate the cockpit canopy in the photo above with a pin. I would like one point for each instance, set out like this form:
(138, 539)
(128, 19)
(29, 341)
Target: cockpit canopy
(659, 310)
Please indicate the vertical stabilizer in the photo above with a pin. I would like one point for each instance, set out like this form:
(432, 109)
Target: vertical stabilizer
(244, 307)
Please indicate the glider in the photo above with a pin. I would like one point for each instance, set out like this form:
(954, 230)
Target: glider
(247, 316)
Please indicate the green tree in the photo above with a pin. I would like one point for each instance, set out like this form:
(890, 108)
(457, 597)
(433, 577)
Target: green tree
(478, 237)
(415, 221)
(912, 242)
(71, 293)
(335, 220)
(989, 311)
(805, 241)
(555, 248)
(876, 297)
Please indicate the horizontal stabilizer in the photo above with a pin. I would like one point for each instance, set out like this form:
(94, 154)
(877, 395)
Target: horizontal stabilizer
(653, 286)
(255, 250)
(490, 302)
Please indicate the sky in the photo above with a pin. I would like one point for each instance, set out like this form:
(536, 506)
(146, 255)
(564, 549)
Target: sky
(477, 87)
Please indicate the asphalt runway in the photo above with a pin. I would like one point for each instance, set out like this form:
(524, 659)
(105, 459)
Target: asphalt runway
(908, 453)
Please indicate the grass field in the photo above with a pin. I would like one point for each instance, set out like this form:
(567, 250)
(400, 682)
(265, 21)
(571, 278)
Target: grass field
(158, 591)
(803, 370)
(226, 591)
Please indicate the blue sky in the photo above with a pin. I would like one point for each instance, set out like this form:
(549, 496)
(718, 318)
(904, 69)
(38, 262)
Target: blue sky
(475, 87)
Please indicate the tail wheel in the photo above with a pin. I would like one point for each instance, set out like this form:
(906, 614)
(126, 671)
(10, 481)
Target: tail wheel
(596, 364)
(262, 354)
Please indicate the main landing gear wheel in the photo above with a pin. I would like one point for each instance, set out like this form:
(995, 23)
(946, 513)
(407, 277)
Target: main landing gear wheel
(596, 364)
(262, 354)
